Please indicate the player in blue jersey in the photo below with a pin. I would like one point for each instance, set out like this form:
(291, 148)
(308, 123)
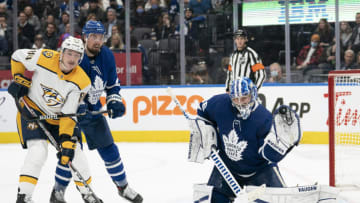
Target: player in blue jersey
(246, 140)
(99, 64)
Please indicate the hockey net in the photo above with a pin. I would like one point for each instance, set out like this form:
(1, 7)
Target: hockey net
(344, 128)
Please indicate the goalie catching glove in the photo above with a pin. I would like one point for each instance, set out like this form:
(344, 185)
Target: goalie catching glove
(202, 139)
(67, 145)
(115, 105)
(20, 86)
(285, 133)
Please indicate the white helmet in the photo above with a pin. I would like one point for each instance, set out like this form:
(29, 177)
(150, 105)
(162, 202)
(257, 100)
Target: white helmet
(74, 44)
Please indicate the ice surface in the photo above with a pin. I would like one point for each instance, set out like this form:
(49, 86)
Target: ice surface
(159, 171)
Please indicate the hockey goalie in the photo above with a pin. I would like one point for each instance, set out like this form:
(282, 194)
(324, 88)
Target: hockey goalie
(246, 142)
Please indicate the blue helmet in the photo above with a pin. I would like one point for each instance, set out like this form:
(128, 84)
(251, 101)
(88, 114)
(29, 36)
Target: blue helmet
(241, 87)
(93, 27)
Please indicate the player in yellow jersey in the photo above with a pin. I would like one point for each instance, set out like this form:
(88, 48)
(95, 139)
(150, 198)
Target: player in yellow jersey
(57, 86)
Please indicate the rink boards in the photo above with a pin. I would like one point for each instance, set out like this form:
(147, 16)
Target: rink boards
(151, 116)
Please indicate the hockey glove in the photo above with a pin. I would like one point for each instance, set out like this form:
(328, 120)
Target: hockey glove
(85, 116)
(20, 86)
(115, 105)
(67, 145)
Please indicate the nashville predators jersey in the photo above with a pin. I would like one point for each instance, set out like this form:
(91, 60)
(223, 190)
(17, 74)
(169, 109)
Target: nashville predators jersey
(51, 91)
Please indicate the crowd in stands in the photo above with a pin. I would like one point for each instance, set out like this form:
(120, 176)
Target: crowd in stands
(155, 33)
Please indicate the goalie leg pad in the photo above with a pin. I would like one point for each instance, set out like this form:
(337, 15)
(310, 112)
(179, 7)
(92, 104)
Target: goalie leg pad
(202, 193)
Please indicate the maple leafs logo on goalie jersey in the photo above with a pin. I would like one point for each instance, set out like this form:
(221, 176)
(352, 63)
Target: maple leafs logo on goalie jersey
(233, 147)
(51, 96)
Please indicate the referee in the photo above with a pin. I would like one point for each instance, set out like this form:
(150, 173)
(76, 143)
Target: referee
(244, 61)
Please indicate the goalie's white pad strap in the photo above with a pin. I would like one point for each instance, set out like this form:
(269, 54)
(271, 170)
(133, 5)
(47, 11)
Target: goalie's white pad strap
(202, 193)
(202, 138)
(300, 194)
(113, 97)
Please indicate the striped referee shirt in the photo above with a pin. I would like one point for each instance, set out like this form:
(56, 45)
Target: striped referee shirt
(245, 63)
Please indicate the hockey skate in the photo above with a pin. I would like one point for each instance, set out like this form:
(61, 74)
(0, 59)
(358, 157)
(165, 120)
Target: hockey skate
(129, 194)
(23, 198)
(57, 196)
(90, 199)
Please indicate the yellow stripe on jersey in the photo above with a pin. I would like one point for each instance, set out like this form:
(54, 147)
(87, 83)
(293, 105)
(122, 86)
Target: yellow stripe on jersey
(49, 60)
(28, 179)
(17, 67)
(66, 126)
(78, 183)
(32, 105)
(18, 121)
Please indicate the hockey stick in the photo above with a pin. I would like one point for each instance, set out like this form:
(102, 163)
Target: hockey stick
(56, 116)
(220, 165)
(55, 144)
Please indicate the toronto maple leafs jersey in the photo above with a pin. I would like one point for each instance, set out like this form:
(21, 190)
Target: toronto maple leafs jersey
(51, 91)
(238, 140)
(102, 71)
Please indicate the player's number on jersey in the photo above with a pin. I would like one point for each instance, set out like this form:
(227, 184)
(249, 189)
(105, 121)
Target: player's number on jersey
(30, 55)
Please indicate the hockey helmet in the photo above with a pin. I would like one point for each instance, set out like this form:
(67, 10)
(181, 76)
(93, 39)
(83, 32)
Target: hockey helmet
(241, 32)
(74, 44)
(243, 95)
(93, 27)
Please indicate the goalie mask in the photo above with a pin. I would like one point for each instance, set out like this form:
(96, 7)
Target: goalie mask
(243, 95)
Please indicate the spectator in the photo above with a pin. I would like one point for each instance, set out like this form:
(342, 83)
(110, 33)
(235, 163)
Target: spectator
(117, 43)
(38, 42)
(27, 29)
(32, 18)
(50, 37)
(309, 56)
(329, 57)
(358, 60)
(65, 35)
(200, 7)
(164, 28)
(111, 21)
(153, 14)
(349, 60)
(199, 74)
(192, 30)
(49, 19)
(6, 13)
(114, 30)
(92, 17)
(5, 37)
(326, 33)
(64, 8)
(139, 17)
(119, 9)
(94, 7)
(355, 36)
(65, 19)
(345, 34)
(276, 73)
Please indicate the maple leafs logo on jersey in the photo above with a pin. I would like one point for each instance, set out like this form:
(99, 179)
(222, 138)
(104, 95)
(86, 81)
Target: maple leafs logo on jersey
(51, 96)
(233, 147)
(96, 90)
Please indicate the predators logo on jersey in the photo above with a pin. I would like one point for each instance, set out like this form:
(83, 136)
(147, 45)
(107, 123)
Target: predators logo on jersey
(32, 126)
(51, 96)
(47, 54)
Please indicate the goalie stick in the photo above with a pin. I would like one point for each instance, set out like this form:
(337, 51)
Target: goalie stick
(220, 165)
(55, 144)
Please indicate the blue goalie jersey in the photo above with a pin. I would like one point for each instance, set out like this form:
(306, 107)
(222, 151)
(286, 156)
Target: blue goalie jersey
(238, 140)
(101, 69)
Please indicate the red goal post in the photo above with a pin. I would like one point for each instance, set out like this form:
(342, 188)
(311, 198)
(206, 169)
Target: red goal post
(344, 128)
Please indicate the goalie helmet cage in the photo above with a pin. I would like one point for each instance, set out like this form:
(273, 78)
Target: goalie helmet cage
(344, 128)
